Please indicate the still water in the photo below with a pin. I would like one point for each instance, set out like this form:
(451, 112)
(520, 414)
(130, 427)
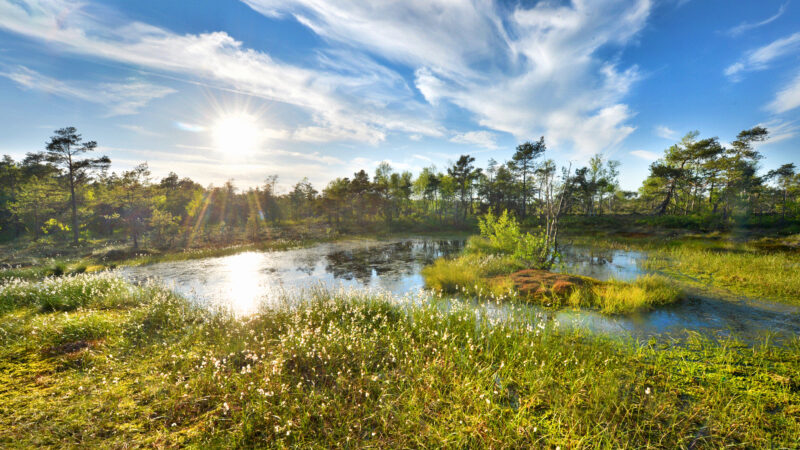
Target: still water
(245, 281)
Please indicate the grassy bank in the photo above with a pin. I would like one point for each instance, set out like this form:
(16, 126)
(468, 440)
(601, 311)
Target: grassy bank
(771, 275)
(115, 365)
(766, 268)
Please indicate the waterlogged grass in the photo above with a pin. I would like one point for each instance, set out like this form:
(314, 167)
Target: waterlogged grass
(773, 275)
(759, 268)
(146, 368)
(619, 297)
(472, 275)
(482, 276)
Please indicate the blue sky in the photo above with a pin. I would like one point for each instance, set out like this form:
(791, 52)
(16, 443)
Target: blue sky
(219, 90)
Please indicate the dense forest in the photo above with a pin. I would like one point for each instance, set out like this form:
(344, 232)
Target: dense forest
(66, 193)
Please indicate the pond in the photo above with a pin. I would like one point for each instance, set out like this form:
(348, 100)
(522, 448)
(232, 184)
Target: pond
(244, 281)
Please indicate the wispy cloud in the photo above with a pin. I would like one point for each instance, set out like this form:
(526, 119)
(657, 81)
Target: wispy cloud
(120, 98)
(523, 70)
(139, 130)
(780, 130)
(760, 58)
(746, 26)
(645, 154)
(787, 98)
(665, 132)
(190, 127)
(335, 100)
(484, 139)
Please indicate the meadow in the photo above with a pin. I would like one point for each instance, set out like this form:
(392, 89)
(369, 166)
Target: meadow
(89, 360)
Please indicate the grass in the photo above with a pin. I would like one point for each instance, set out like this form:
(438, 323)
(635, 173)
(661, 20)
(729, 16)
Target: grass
(767, 268)
(619, 297)
(471, 274)
(142, 367)
(481, 272)
(771, 275)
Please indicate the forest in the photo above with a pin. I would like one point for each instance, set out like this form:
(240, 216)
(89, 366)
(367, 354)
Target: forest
(66, 194)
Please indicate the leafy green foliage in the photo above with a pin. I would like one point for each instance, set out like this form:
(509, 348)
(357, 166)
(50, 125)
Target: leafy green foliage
(505, 237)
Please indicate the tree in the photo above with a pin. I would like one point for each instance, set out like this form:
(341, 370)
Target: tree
(464, 175)
(523, 163)
(35, 203)
(135, 203)
(63, 150)
(673, 169)
(785, 175)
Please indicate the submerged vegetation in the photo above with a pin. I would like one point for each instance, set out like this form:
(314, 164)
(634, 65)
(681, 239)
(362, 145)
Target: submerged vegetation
(123, 365)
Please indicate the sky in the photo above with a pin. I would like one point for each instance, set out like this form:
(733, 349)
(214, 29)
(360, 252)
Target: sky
(226, 89)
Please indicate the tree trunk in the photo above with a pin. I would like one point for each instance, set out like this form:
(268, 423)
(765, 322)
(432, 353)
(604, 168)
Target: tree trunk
(74, 205)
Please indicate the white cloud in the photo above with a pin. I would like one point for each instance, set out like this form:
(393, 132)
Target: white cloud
(422, 157)
(527, 71)
(666, 133)
(336, 100)
(645, 154)
(787, 98)
(120, 98)
(760, 58)
(190, 127)
(780, 130)
(483, 139)
(139, 130)
(451, 34)
(745, 26)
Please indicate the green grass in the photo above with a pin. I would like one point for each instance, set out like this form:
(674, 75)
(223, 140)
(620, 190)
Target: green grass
(471, 274)
(476, 273)
(143, 367)
(767, 268)
(771, 275)
(619, 297)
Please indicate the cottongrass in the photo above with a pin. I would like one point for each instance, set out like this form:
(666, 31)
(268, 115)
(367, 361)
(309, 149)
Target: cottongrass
(359, 369)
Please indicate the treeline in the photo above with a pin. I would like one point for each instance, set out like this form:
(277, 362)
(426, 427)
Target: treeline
(63, 194)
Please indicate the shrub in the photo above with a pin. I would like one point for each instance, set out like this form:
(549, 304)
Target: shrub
(502, 236)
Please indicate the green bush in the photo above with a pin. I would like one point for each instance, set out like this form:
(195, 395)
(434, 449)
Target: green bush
(501, 235)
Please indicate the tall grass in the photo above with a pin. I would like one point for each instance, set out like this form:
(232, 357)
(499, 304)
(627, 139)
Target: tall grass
(619, 297)
(774, 275)
(472, 274)
(356, 370)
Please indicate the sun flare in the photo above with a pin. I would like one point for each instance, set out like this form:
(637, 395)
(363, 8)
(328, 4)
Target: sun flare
(237, 134)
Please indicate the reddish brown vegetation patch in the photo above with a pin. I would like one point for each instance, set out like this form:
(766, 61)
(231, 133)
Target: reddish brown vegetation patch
(537, 283)
(71, 348)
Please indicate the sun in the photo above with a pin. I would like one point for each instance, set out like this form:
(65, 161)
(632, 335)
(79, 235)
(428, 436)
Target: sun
(237, 134)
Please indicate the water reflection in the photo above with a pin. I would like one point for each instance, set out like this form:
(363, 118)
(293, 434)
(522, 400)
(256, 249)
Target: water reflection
(245, 281)
(602, 264)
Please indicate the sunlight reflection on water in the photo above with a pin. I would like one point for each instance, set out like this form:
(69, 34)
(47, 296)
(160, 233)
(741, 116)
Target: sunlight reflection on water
(245, 282)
